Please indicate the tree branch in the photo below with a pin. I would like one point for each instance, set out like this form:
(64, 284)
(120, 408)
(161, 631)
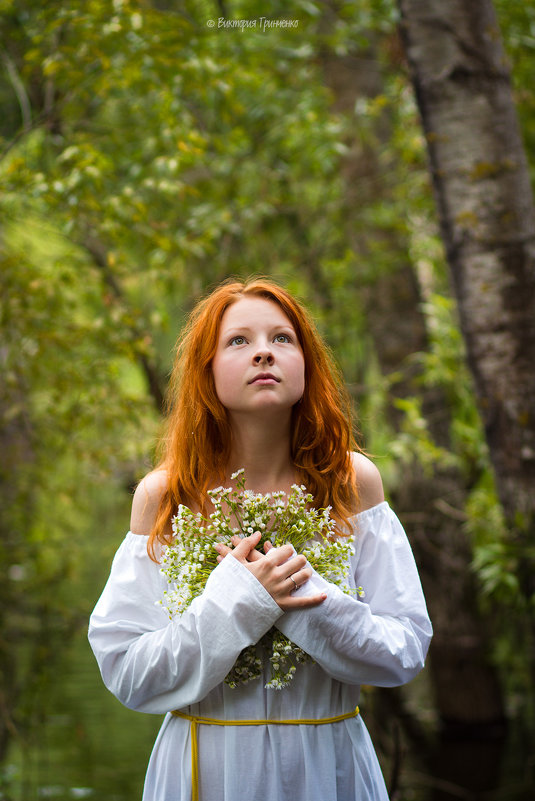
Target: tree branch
(20, 91)
(152, 372)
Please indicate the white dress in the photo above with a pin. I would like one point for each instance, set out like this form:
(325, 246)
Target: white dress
(156, 665)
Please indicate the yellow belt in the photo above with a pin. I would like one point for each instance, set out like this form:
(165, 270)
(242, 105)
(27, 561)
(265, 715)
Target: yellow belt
(194, 720)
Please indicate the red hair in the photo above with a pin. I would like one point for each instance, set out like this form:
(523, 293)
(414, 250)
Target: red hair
(196, 448)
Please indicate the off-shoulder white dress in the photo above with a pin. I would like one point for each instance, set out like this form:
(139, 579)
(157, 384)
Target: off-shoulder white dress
(155, 665)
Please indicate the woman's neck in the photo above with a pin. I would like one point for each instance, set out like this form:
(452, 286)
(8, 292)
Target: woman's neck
(263, 451)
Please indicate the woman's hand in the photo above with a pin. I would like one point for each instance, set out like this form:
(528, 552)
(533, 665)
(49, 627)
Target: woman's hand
(279, 570)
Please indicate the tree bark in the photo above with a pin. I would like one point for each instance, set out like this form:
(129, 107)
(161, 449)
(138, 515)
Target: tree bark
(485, 206)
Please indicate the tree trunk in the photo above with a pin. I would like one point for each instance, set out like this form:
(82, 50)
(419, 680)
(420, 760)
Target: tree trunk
(485, 206)
(466, 687)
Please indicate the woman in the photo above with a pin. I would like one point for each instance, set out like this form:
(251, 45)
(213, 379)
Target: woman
(253, 387)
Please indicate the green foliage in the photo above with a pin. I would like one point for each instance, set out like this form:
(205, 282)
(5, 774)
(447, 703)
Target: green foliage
(517, 23)
(494, 558)
(60, 436)
(444, 366)
(414, 443)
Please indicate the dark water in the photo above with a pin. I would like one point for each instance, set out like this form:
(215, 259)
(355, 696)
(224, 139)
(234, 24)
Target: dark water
(86, 745)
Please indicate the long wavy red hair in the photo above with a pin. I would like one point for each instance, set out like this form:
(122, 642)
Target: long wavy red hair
(196, 447)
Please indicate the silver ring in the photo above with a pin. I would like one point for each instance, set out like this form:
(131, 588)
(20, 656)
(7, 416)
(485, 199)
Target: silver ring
(296, 585)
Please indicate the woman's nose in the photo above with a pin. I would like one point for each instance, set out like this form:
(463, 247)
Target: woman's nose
(263, 355)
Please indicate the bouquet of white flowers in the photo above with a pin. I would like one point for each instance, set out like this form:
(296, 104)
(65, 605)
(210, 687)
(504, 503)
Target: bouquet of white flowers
(188, 562)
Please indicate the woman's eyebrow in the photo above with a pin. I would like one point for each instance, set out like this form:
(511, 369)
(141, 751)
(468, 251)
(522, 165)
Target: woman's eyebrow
(240, 328)
(247, 329)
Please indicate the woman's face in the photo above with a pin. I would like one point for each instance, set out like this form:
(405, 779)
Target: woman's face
(259, 364)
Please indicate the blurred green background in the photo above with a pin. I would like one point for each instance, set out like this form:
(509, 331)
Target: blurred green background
(145, 157)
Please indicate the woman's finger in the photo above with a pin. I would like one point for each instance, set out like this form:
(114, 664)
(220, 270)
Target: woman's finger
(282, 554)
(301, 602)
(254, 555)
(298, 578)
(222, 550)
(245, 546)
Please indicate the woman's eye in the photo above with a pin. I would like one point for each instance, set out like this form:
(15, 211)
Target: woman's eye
(282, 338)
(237, 340)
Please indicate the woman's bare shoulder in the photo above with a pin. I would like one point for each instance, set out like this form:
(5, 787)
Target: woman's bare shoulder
(369, 483)
(146, 501)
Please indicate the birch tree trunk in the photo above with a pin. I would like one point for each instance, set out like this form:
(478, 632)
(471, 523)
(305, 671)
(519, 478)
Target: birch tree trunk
(481, 181)
(466, 686)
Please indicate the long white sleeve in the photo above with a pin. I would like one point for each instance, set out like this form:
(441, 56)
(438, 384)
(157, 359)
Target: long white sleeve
(383, 639)
(153, 664)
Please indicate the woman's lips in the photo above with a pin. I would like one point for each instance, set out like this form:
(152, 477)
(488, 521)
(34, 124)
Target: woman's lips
(265, 378)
